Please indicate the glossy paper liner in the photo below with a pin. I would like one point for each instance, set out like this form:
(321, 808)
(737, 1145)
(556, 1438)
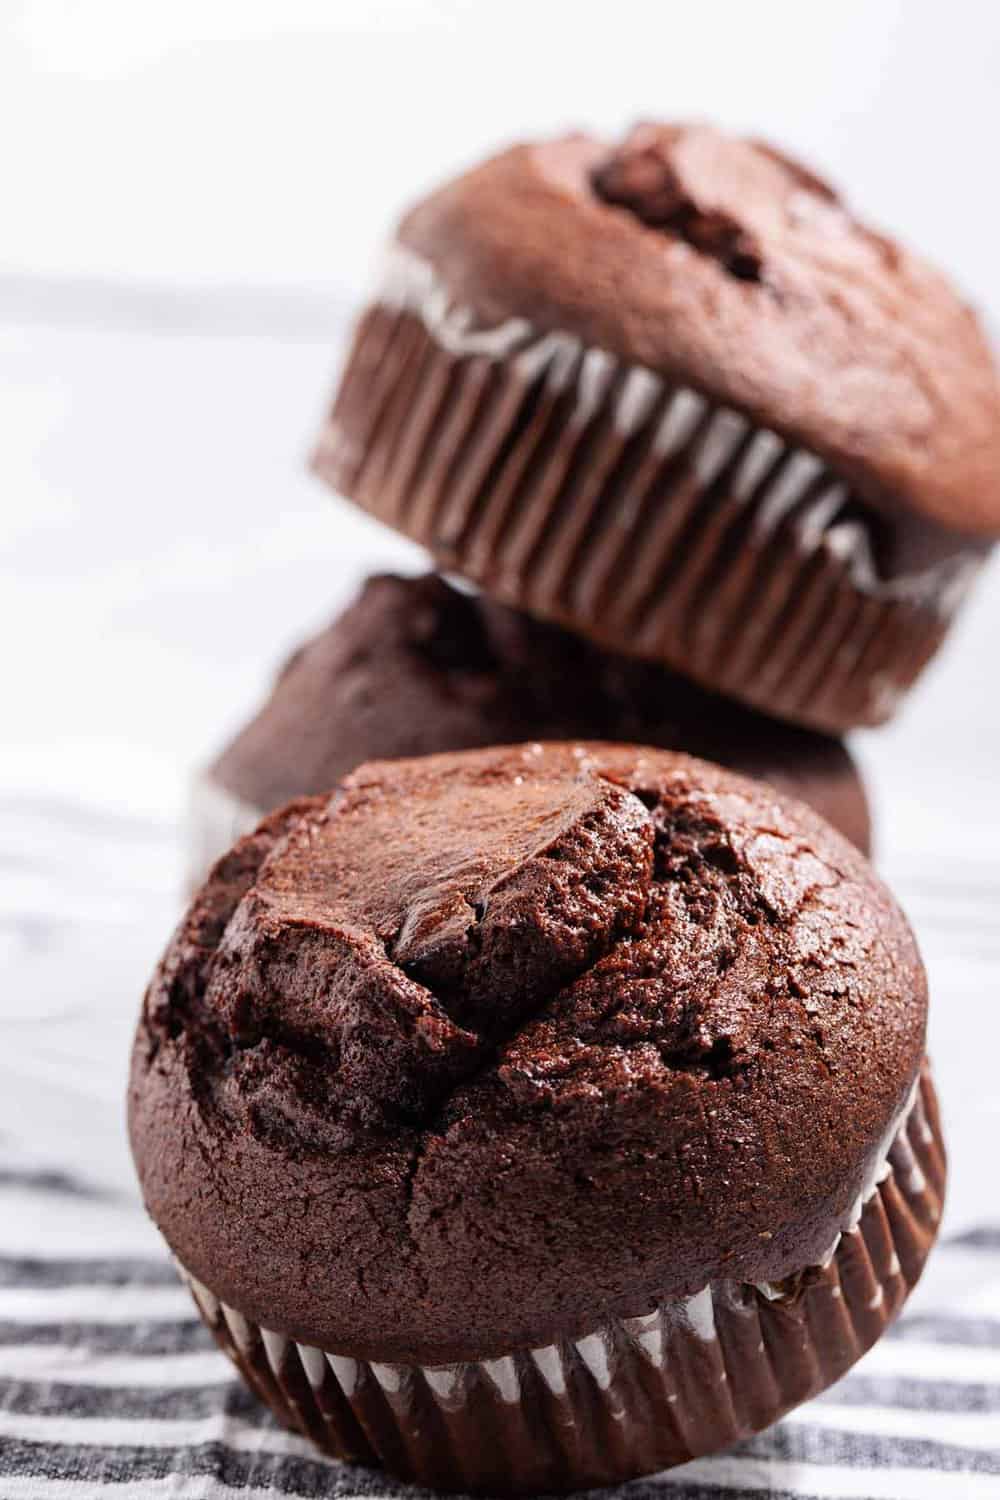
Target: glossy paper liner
(590, 491)
(635, 1394)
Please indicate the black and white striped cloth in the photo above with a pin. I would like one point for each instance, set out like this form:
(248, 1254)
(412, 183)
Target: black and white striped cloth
(111, 1388)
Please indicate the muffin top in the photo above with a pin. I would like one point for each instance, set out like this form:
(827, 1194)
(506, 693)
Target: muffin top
(488, 1046)
(725, 264)
(415, 666)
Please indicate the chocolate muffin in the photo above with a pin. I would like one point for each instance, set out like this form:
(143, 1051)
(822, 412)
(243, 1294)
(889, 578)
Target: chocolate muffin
(415, 666)
(529, 1118)
(672, 394)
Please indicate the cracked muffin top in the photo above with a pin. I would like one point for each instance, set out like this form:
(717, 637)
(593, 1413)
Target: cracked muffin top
(725, 264)
(491, 1045)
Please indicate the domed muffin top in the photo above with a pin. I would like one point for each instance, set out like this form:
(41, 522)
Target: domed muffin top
(723, 263)
(489, 1045)
(414, 666)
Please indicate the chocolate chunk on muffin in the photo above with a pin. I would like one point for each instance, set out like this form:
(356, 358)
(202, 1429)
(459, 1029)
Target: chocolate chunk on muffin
(674, 395)
(530, 1118)
(414, 666)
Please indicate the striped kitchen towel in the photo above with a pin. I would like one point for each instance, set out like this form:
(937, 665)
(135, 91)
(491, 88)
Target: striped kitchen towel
(111, 1387)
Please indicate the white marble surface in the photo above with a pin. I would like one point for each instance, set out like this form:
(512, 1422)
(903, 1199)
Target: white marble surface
(161, 546)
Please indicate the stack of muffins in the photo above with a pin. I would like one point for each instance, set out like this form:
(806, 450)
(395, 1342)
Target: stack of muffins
(528, 1110)
(671, 398)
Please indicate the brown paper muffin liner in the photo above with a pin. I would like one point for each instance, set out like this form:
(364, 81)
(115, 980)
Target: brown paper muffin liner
(635, 1394)
(593, 492)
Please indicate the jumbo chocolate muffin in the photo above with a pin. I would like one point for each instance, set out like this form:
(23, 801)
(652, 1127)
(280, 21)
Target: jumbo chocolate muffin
(672, 394)
(414, 666)
(530, 1118)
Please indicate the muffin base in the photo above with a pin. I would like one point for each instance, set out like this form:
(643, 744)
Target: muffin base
(634, 1395)
(595, 493)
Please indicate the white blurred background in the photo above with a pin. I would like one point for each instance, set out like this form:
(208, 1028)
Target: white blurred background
(192, 195)
(265, 142)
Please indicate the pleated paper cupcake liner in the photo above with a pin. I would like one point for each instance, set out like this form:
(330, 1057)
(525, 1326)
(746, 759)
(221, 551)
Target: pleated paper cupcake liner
(590, 491)
(633, 1395)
